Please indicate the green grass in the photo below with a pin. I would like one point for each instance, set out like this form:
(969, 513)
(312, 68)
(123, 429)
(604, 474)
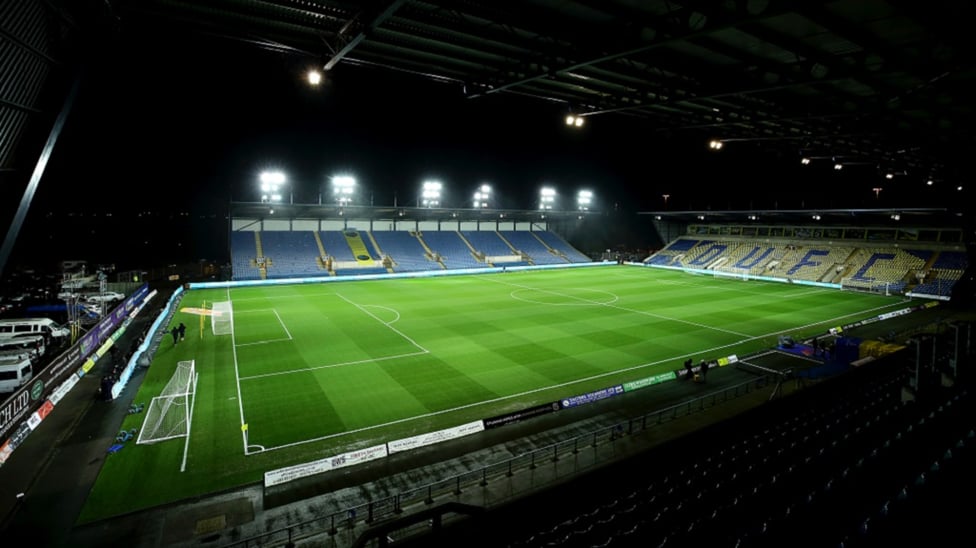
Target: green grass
(316, 370)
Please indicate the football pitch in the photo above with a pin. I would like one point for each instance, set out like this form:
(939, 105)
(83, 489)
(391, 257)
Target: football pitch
(312, 370)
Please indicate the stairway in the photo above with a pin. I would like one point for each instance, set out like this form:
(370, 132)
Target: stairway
(358, 248)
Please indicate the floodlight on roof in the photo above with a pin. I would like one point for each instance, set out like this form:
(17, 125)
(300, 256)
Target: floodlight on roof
(482, 196)
(343, 188)
(273, 177)
(314, 77)
(271, 182)
(838, 167)
(584, 199)
(431, 193)
(573, 120)
(715, 144)
(547, 197)
(805, 161)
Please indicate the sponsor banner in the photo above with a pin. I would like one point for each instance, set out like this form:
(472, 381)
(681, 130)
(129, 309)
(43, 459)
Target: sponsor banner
(87, 366)
(36, 417)
(722, 362)
(291, 473)
(431, 438)
(63, 388)
(5, 451)
(527, 413)
(102, 350)
(649, 381)
(591, 397)
(19, 435)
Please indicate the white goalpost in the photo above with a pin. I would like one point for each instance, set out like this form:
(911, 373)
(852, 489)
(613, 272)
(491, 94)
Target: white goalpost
(170, 414)
(866, 285)
(222, 318)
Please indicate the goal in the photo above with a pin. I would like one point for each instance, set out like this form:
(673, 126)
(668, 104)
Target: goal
(731, 272)
(866, 285)
(170, 413)
(222, 318)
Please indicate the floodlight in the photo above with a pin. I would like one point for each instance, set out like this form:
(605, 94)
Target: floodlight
(547, 197)
(715, 144)
(584, 199)
(343, 188)
(574, 121)
(314, 77)
(805, 161)
(838, 167)
(271, 182)
(431, 193)
(482, 196)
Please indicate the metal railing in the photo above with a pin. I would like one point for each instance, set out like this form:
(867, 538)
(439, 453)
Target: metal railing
(455, 487)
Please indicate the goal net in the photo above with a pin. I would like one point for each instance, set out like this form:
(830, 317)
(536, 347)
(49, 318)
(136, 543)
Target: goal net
(169, 413)
(222, 318)
(731, 272)
(866, 285)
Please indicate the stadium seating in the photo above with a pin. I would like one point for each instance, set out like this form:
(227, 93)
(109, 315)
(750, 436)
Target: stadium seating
(529, 243)
(843, 463)
(292, 253)
(405, 250)
(451, 249)
(562, 247)
(336, 246)
(243, 252)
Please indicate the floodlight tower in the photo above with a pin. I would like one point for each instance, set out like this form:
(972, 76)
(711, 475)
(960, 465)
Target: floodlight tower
(482, 197)
(547, 198)
(584, 199)
(343, 189)
(271, 183)
(430, 195)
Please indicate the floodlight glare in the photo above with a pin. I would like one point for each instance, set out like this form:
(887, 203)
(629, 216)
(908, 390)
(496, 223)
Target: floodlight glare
(273, 177)
(570, 120)
(431, 193)
(805, 161)
(547, 197)
(584, 199)
(578, 122)
(314, 77)
(343, 187)
(271, 181)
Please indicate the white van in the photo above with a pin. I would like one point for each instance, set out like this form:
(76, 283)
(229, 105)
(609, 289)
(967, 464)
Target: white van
(30, 344)
(15, 371)
(22, 327)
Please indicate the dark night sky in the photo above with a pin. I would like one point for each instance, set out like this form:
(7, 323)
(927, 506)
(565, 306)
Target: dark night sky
(183, 127)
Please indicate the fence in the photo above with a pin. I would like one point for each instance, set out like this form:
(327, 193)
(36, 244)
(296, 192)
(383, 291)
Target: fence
(596, 447)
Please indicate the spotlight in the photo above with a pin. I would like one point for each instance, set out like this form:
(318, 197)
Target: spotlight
(314, 77)
(838, 167)
(805, 161)
(573, 120)
(715, 144)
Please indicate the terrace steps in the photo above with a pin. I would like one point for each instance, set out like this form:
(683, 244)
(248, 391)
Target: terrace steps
(358, 247)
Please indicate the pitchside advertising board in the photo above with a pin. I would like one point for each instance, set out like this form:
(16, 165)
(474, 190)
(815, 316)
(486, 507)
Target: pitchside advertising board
(34, 400)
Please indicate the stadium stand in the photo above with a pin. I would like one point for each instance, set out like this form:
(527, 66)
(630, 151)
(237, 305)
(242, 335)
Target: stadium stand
(529, 243)
(918, 270)
(492, 248)
(448, 246)
(243, 254)
(291, 254)
(406, 252)
(336, 246)
(562, 247)
(672, 253)
(849, 462)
